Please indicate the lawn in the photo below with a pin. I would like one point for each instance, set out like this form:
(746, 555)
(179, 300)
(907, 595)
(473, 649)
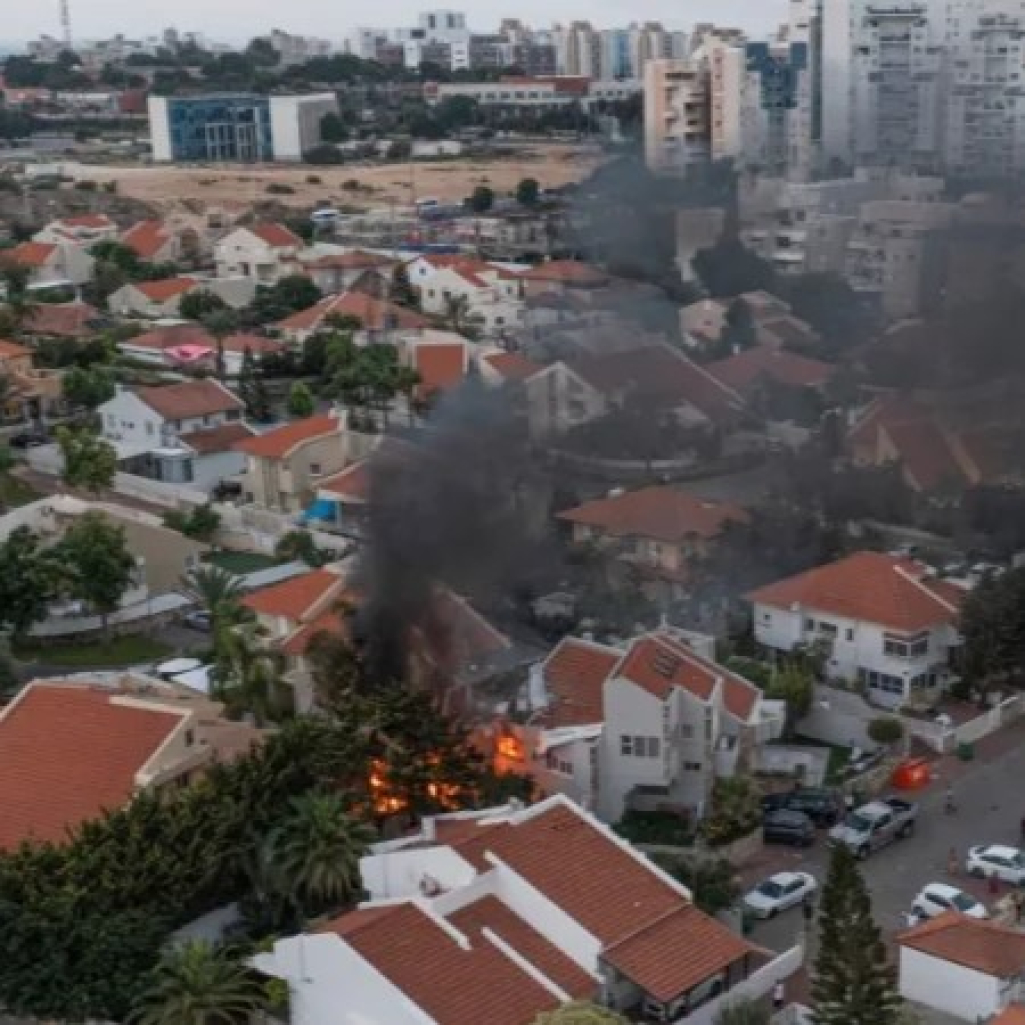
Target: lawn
(241, 562)
(15, 492)
(118, 651)
(839, 756)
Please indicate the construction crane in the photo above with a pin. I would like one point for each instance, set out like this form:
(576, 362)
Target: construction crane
(66, 23)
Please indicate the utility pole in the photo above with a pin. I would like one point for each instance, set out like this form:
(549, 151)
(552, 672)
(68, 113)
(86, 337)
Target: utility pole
(66, 23)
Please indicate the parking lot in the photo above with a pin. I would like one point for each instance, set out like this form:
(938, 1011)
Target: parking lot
(991, 803)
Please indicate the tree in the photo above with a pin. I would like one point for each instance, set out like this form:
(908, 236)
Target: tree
(299, 546)
(739, 332)
(316, 852)
(729, 268)
(300, 401)
(7, 460)
(885, 730)
(118, 255)
(713, 883)
(459, 317)
(198, 305)
(252, 389)
(795, 685)
(100, 568)
(10, 680)
(89, 461)
(333, 128)
(289, 295)
(220, 324)
(217, 590)
(248, 673)
(580, 1012)
(482, 199)
(27, 581)
(852, 983)
(736, 810)
(402, 291)
(15, 279)
(528, 192)
(744, 1011)
(197, 983)
(88, 386)
(993, 626)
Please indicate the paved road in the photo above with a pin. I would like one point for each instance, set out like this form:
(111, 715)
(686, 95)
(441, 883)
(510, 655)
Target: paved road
(991, 803)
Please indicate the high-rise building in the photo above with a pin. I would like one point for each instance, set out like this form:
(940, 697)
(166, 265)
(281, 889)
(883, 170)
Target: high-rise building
(616, 59)
(677, 114)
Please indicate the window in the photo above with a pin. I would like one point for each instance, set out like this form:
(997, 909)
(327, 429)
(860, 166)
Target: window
(692, 766)
(850, 633)
(315, 469)
(901, 647)
(686, 731)
(557, 764)
(640, 747)
(809, 624)
(150, 430)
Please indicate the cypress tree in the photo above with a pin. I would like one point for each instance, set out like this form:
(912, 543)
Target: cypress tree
(853, 982)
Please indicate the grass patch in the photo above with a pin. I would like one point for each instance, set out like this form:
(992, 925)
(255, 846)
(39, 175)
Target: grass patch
(241, 562)
(118, 651)
(839, 758)
(655, 827)
(15, 492)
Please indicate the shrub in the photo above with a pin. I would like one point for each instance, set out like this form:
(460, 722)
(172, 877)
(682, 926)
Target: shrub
(280, 189)
(86, 186)
(314, 179)
(656, 827)
(885, 730)
(351, 185)
(736, 811)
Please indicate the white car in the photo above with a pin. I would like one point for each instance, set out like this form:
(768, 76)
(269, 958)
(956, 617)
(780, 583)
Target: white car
(1006, 863)
(938, 898)
(779, 892)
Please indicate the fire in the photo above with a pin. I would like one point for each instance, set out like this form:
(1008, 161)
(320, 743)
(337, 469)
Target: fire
(510, 748)
(387, 802)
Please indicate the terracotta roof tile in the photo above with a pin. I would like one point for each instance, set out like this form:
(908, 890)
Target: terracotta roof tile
(194, 334)
(12, 350)
(925, 454)
(513, 366)
(146, 238)
(278, 443)
(441, 366)
(217, 439)
(374, 314)
(66, 320)
(330, 623)
(746, 369)
(575, 674)
(30, 254)
(1013, 1014)
(87, 221)
(869, 587)
(677, 952)
(567, 272)
(357, 259)
(981, 945)
(68, 753)
(294, 599)
(351, 485)
(276, 235)
(662, 513)
(168, 288)
(189, 399)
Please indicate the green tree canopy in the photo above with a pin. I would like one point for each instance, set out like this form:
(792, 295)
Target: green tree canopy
(28, 581)
(300, 401)
(99, 566)
(482, 199)
(200, 304)
(993, 626)
(528, 192)
(580, 1012)
(89, 461)
(89, 386)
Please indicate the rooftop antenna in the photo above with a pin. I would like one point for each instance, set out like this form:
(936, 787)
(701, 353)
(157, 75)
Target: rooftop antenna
(66, 23)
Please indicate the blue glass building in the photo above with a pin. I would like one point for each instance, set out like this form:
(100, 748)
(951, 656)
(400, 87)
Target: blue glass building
(214, 127)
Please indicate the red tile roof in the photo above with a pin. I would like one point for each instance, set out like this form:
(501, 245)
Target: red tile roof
(12, 350)
(1013, 1014)
(677, 952)
(746, 369)
(357, 259)
(146, 238)
(189, 399)
(276, 235)
(661, 377)
(351, 485)
(162, 291)
(87, 221)
(441, 365)
(331, 623)
(575, 674)
(660, 512)
(30, 254)
(280, 442)
(453, 985)
(513, 366)
(294, 599)
(193, 334)
(64, 320)
(925, 455)
(67, 754)
(374, 314)
(217, 439)
(983, 946)
(567, 272)
(869, 587)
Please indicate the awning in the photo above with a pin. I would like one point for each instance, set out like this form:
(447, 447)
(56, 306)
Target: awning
(321, 509)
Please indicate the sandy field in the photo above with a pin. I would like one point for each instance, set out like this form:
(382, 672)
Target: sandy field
(233, 187)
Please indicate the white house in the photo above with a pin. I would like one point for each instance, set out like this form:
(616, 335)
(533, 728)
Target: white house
(158, 299)
(650, 724)
(52, 263)
(500, 915)
(884, 621)
(493, 295)
(264, 251)
(177, 433)
(83, 230)
(334, 269)
(966, 967)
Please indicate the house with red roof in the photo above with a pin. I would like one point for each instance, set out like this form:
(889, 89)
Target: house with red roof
(162, 299)
(83, 230)
(764, 366)
(650, 723)
(354, 269)
(153, 241)
(506, 368)
(661, 529)
(71, 750)
(63, 320)
(379, 320)
(265, 251)
(442, 364)
(501, 915)
(189, 346)
(884, 621)
(491, 294)
(51, 264)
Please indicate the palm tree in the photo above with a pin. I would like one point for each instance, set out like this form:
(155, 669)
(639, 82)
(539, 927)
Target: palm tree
(198, 983)
(219, 325)
(459, 318)
(247, 674)
(316, 851)
(217, 590)
(20, 306)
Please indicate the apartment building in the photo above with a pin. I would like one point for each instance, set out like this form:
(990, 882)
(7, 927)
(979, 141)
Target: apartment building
(677, 114)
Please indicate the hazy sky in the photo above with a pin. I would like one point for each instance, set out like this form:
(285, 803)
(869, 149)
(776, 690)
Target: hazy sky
(239, 19)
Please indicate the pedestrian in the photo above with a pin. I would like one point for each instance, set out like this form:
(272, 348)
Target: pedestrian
(952, 862)
(778, 997)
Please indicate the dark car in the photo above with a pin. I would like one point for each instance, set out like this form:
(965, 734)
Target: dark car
(28, 439)
(792, 827)
(226, 489)
(822, 806)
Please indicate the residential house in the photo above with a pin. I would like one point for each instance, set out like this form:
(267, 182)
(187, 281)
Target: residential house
(886, 622)
(285, 466)
(30, 394)
(187, 346)
(355, 270)
(265, 252)
(51, 264)
(649, 724)
(75, 320)
(160, 299)
(559, 398)
(491, 296)
(506, 368)
(160, 242)
(752, 370)
(71, 750)
(442, 366)
(344, 498)
(381, 321)
(964, 967)
(563, 277)
(661, 530)
(507, 913)
(177, 433)
(83, 230)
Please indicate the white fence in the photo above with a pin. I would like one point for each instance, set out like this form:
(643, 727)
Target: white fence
(752, 988)
(945, 739)
(256, 529)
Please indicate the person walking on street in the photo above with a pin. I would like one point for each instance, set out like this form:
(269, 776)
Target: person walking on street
(778, 997)
(952, 862)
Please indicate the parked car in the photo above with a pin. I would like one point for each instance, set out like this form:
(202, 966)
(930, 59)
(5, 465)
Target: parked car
(874, 825)
(823, 806)
(779, 892)
(938, 898)
(1006, 863)
(226, 489)
(28, 439)
(792, 827)
(199, 621)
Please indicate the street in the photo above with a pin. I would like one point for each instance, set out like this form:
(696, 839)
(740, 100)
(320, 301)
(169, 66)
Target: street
(990, 803)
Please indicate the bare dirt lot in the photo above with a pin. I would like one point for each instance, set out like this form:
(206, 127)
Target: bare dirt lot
(353, 185)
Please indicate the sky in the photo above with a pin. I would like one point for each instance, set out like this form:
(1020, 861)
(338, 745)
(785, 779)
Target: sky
(235, 20)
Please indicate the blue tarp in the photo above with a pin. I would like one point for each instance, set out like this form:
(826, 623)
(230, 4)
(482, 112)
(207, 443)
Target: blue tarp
(322, 509)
